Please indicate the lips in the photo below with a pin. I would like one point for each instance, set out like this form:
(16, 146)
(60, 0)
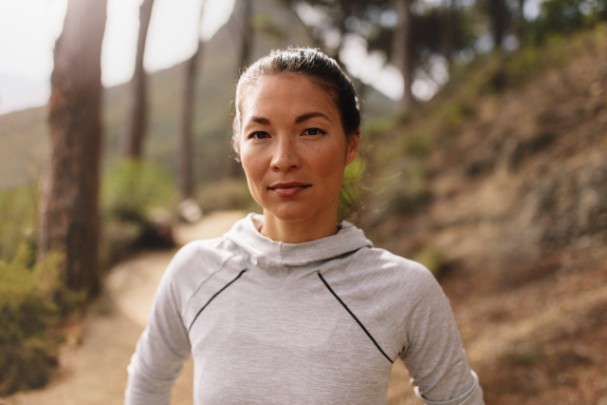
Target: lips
(289, 189)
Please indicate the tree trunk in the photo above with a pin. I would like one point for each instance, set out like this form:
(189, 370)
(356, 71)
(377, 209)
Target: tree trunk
(498, 17)
(246, 34)
(315, 39)
(139, 101)
(403, 50)
(521, 23)
(244, 9)
(187, 179)
(452, 28)
(68, 218)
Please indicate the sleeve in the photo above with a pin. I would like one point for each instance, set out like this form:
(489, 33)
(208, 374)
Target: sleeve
(163, 346)
(434, 354)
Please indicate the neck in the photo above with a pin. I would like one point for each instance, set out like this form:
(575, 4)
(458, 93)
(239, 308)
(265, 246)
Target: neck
(296, 232)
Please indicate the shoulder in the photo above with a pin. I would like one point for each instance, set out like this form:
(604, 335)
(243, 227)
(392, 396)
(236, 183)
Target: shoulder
(202, 252)
(387, 292)
(196, 261)
(396, 271)
(389, 280)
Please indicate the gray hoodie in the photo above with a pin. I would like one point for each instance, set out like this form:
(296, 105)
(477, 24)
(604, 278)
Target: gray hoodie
(319, 322)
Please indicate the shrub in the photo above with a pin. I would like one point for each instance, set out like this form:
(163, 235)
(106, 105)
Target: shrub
(28, 352)
(403, 194)
(351, 190)
(378, 127)
(131, 190)
(137, 201)
(226, 195)
(433, 259)
(417, 144)
(18, 204)
(566, 17)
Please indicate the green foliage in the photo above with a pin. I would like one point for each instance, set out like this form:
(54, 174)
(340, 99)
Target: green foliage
(403, 194)
(27, 310)
(565, 17)
(132, 189)
(416, 144)
(555, 51)
(225, 195)
(25, 146)
(527, 60)
(18, 204)
(509, 71)
(435, 30)
(351, 190)
(378, 127)
(432, 258)
(136, 199)
(264, 23)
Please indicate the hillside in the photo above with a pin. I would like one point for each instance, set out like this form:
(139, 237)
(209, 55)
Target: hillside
(499, 185)
(23, 136)
(504, 195)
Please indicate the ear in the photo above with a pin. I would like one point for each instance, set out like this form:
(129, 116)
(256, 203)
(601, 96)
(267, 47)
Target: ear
(353, 147)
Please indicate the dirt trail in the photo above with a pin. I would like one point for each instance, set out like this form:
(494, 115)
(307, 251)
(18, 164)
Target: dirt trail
(93, 362)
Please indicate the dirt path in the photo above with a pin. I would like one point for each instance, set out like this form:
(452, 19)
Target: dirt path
(93, 362)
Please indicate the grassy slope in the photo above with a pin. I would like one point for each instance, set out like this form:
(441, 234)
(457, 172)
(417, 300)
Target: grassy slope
(503, 179)
(23, 135)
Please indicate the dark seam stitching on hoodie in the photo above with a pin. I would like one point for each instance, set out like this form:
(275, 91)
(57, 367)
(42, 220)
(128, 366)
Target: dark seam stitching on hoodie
(214, 296)
(354, 317)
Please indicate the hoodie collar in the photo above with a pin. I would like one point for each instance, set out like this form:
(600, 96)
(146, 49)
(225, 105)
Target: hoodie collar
(266, 252)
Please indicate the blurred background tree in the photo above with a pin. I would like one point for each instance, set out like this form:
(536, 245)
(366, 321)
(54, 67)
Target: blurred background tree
(449, 54)
(69, 206)
(138, 121)
(186, 175)
(427, 40)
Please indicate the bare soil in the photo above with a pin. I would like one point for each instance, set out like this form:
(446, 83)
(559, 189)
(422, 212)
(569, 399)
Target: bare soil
(518, 212)
(94, 359)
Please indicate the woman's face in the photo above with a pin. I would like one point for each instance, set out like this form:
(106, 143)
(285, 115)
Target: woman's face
(294, 151)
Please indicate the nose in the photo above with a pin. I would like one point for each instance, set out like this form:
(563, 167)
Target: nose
(286, 156)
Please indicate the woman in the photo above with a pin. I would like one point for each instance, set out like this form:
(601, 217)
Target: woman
(293, 306)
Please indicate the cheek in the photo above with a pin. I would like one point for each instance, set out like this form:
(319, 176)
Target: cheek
(252, 177)
(330, 164)
(251, 166)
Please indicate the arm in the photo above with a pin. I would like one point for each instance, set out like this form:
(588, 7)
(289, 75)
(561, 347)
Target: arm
(434, 354)
(162, 348)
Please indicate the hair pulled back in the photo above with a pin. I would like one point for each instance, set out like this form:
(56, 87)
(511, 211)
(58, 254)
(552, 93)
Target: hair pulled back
(313, 64)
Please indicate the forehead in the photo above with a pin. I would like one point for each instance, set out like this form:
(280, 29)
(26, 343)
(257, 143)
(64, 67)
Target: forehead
(284, 91)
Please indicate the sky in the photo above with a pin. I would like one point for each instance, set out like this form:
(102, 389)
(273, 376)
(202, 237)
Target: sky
(29, 28)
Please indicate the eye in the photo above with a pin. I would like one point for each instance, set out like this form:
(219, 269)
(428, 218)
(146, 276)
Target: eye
(313, 131)
(258, 135)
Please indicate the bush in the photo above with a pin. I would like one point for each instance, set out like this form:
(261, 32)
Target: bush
(351, 190)
(131, 190)
(417, 144)
(18, 204)
(137, 201)
(566, 17)
(226, 195)
(28, 352)
(433, 259)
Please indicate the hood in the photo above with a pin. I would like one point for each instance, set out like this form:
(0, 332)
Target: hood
(265, 252)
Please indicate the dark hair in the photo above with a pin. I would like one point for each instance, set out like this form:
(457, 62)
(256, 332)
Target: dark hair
(315, 65)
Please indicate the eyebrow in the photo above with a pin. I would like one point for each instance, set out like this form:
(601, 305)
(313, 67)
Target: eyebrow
(260, 120)
(298, 120)
(305, 117)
